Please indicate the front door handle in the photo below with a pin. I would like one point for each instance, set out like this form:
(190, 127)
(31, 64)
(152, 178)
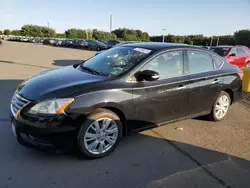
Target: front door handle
(216, 81)
(181, 87)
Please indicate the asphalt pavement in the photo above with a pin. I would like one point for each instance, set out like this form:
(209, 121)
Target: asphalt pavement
(191, 153)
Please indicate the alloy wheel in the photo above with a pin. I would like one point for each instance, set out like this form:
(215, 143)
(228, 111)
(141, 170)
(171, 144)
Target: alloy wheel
(101, 136)
(222, 106)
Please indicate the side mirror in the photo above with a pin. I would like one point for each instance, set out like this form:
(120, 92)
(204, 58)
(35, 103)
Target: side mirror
(147, 75)
(233, 54)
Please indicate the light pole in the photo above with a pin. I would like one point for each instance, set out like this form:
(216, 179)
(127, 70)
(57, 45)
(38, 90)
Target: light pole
(48, 24)
(163, 37)
(211, 41)
(110, 21)
(218, 40)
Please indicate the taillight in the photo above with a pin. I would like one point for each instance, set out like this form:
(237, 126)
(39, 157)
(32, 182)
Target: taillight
(240, 73)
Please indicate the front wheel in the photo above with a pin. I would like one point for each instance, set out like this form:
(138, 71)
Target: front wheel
(99, 134)
(220, 107)
(248, 65)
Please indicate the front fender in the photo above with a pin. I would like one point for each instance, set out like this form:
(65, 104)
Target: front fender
(247, 60)
(115, 98)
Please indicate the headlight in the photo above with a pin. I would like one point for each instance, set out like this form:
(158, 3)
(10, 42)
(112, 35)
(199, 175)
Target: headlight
(56, 106)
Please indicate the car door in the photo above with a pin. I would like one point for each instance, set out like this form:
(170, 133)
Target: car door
(242, 55)
(205, 81)
(233, 56)
(164, 99)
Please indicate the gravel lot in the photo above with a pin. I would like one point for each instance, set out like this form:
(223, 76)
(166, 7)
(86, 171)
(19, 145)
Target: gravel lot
(204, 154)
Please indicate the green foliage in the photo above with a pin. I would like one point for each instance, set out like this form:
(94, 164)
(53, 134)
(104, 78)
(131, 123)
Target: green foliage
(89, 34)
(60, 35)
(242, 37)
(131, 35)
(7, 32)
(37, 31)
(102, 35)
(1, 32)
(16, 32)
(76, 34)
(196, 39)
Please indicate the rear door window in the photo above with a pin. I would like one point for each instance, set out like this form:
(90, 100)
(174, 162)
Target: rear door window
(240, 52)
(199, 62)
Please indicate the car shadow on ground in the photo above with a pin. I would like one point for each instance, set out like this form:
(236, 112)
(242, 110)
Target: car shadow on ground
(141, 160)
(66, 62)
(24, 64)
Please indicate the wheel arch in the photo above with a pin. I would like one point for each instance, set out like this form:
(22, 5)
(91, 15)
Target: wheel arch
(231, 94)
(115, 108)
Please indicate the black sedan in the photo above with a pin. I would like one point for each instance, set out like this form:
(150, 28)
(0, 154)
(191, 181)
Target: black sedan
(96, 45)
(49, 41)
(81, 44)
(133, 87)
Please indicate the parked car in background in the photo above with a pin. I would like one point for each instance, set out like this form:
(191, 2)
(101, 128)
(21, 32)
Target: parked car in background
(36, 40)
(58, 42)
(49, 41)
(112, 43)
(118, 44)
(81, 44)
(24, 39)
(67, 43)
(206, 47)
(127, 88)
(96, 45)
(236, 55)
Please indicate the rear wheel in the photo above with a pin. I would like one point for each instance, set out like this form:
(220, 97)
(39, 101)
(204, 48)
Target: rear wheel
(221, 106)
(99, 134)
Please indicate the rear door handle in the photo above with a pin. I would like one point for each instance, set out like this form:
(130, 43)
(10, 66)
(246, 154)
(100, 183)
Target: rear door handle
(181, 87)
(216, 81)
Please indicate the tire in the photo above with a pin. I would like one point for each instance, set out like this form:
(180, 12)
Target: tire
(89, 141)
(247, 65)
(214, 114)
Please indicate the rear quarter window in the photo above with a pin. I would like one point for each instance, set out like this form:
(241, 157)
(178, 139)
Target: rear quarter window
(199, 62)
(218, 62)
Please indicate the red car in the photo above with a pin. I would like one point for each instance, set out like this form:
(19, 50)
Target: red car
(236, 55)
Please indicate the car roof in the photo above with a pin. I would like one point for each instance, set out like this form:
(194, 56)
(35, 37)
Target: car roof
(159, 45)
(222, 46)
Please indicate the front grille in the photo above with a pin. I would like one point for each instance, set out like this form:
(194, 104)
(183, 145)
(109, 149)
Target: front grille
(17, 103)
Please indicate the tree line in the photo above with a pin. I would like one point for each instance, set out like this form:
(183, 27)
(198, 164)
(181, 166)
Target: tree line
(73, 33)
(241, 37)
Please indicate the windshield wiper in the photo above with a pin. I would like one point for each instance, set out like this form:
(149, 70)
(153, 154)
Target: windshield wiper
(90, 70)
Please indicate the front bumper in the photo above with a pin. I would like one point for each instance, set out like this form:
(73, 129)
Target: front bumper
(49, 134)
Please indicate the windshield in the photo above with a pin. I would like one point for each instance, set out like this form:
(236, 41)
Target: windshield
(116, 61)
(221, 51)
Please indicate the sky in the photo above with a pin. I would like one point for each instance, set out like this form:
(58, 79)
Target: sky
(179, 17)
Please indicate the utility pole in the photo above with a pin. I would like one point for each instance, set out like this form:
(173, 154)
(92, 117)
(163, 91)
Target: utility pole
(211, 41)
(48, 24)
(110, 21)
(163, 36)
(218, 40)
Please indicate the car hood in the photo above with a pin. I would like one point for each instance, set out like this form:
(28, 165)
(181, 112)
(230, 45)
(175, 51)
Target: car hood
(58, 83)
